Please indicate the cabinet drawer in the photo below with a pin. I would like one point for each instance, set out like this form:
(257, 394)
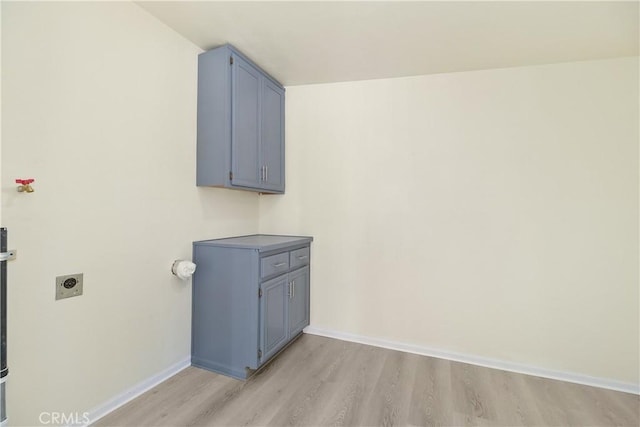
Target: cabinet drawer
(299, 257)
(274, 264)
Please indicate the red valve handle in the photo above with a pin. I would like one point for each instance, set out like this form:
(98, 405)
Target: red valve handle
(24, 181)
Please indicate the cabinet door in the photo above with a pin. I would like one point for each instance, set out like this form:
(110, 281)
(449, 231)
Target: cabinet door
(298, 301)
(245, 123)
(272, 137)
(273, 316)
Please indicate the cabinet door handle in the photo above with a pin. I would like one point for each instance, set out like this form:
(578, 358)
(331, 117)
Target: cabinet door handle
(266, 172)
(293, 286)
(280, 264)
(302, 257)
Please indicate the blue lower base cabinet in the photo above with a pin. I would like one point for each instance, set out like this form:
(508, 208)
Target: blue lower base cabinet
(250, 299)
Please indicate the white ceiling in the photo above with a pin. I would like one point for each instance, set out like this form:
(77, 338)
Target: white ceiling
(318, 42)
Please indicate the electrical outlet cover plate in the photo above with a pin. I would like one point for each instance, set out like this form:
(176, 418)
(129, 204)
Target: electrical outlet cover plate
(68, 286)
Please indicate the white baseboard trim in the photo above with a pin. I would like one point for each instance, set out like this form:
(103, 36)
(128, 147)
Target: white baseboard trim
(480, 361)
(126, 396)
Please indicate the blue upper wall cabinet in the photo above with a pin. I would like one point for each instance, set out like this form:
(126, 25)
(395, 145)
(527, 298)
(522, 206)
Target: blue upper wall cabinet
(240, 124)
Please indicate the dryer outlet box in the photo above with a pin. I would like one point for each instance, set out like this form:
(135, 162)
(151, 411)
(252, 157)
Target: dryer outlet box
(68, 286)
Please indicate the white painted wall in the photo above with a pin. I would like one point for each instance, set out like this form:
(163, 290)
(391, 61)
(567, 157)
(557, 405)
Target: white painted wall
(491, 213)
(99, 106)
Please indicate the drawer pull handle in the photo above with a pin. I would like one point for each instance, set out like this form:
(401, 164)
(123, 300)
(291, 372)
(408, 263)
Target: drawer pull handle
(280, 264)
(302, 257)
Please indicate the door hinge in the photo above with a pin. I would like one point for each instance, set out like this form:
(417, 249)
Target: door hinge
(230, 176)
(259, 293)
(231, 60)
(259, 354)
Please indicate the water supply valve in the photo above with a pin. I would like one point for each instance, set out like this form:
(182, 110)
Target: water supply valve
(25, 185)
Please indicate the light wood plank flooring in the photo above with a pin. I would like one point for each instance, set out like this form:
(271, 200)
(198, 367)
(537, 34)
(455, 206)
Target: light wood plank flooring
(321, 381)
